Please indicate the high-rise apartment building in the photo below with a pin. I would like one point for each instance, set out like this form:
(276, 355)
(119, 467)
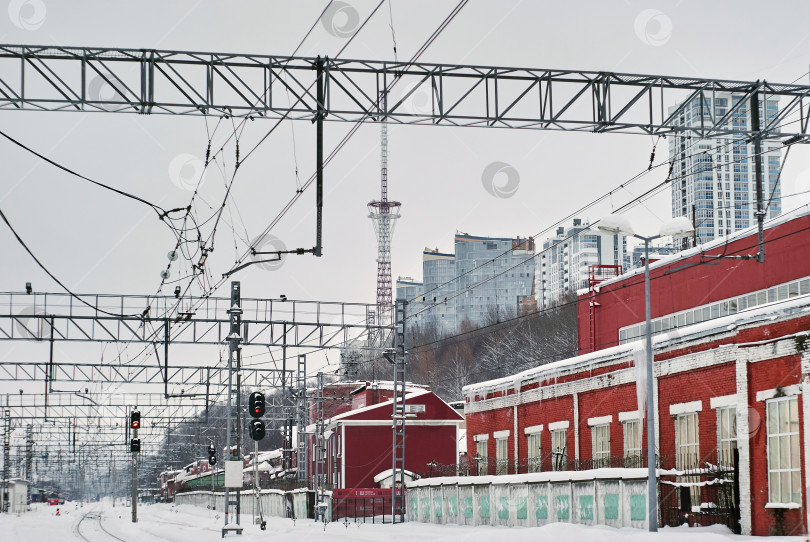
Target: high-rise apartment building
(714, 179)
(495, 278)
(563, 264)
(486, 278)
(439, 287)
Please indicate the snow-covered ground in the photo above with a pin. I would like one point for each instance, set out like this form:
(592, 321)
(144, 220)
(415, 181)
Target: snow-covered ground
(100, 522)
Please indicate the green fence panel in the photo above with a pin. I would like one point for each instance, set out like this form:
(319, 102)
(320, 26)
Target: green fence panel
(611, 505)
(520, 512)
(541, 507)
(468, 507)
(483, 507)
(586, 507)
(452, 506)
(563, 507)
(638, 508)
(503, 508)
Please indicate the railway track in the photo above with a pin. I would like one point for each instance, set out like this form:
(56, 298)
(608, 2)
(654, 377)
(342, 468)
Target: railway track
(94, 531)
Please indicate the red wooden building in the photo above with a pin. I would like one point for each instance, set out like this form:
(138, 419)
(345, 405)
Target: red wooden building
(359, 440)
(732, 365)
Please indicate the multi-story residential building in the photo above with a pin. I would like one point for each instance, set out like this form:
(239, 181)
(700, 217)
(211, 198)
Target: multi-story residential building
(409, 289)
(487, 277)
(713, 179)
(438, 294)
(495, 276)
(562, 266)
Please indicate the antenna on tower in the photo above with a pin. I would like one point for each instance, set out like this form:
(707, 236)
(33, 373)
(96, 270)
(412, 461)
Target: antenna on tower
(384, 214)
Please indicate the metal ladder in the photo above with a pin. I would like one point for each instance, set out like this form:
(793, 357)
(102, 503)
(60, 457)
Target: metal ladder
(301, 414)
(398, 463)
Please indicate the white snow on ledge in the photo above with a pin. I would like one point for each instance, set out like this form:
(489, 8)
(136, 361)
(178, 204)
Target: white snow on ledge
(624, 352)
(784, 505)
(535, 477)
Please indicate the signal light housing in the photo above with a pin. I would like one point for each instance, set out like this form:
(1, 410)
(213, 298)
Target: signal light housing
(212, 455)
(135, 445)
(256, 429)
(135, 419)
(256, 404)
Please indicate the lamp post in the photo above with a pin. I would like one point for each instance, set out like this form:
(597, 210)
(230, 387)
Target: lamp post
(677, 227)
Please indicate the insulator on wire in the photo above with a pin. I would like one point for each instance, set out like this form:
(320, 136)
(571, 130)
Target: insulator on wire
(652, 159)
(208, 153)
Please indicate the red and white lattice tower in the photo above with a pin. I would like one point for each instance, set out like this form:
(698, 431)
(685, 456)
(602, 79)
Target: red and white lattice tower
(384, 214)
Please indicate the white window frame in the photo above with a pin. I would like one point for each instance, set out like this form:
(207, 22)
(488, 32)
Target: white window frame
(726, 434)
(690, 446)
(631, 445)
(559, 456)
(600, 439)
(501, 456)
(483, 460)
(534, 452)
(776, 439)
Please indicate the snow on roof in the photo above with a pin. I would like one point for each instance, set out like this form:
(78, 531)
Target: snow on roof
(716, 243)
(390, 402)
(547, 476)
(770, 311)
(387, 474)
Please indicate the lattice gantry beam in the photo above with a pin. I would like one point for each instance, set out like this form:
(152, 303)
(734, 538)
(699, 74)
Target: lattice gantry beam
(161, 414)
(150, 81)
(266, 322)
(97, 373)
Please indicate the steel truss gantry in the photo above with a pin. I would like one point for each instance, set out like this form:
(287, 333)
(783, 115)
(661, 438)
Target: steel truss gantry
(148, 81)
(101, 373)
(266, 322)
(155, 407)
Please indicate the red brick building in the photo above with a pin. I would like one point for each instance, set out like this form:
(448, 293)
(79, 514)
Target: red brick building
(729, 380)
(359, 440)
(696, 278)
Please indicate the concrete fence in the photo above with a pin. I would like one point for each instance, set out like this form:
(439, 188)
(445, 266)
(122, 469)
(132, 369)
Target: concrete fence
(274, 502)
(614, 497)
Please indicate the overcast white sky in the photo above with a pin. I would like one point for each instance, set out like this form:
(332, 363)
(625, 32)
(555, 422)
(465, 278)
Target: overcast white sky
(97, 242)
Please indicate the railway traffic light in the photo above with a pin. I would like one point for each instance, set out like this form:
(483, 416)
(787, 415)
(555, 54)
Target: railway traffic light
(256, 429)
(256, 404)
(135, 445)
(135, 419)
(212, 455)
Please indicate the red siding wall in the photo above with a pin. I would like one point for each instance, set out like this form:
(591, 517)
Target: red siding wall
(693, 381)
(684, 284)
(368, 450)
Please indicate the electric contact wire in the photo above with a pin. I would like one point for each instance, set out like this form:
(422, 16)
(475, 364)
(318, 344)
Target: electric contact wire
(458, 338)
(356, 126)
(653, 191)
(669, 179)
(208, 290)
(161, 212)
(53, 277)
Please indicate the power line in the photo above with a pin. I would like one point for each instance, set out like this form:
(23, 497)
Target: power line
(60, 283)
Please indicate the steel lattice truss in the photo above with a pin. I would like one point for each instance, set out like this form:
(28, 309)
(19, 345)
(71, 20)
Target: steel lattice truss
(265, 322)
(137, 374)
(103, 407)
(149, 81)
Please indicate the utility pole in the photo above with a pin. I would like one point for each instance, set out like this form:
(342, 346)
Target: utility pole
(760, 212)
(6, 455)
(29, 457)
(301, 418)
(134, 448)
(233, 338)
(320, 451)
(399, 414)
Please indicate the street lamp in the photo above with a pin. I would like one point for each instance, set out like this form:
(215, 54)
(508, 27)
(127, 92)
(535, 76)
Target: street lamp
(676, 227)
